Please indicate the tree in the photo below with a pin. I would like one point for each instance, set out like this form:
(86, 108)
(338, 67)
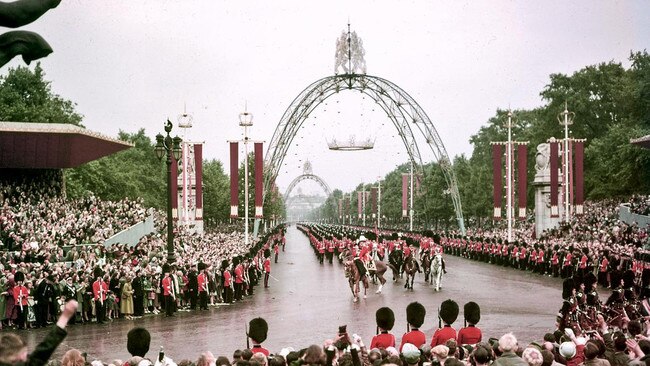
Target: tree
(25, 96)
(216, 193)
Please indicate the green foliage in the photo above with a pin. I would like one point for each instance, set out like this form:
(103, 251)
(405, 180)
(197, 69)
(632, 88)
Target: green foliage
(25, 96)
(216, 193)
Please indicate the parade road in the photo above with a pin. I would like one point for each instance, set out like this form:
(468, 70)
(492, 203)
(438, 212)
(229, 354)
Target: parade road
(307, 301)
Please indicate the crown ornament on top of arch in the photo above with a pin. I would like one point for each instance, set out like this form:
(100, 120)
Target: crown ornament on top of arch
(350, 55)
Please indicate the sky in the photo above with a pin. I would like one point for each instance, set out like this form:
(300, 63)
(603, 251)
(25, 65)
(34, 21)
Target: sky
(131, 64)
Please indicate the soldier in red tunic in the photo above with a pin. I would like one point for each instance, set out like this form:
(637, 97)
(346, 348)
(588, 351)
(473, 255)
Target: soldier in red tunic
(168, 291)
(100, 292)
(447, 314)
(415, 313)
(470, 334)
(267, 268)
(385, 321)
(203, 287)
(20, 294)
(227, 282)
(258, 329)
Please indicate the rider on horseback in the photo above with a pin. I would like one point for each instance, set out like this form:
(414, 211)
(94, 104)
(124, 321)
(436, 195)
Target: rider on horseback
(362, 256)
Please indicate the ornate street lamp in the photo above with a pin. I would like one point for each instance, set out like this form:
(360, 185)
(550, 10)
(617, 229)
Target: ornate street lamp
(166, 146)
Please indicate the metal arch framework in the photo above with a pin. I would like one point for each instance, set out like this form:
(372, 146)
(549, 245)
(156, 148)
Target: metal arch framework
(302, 177)
(407, 116)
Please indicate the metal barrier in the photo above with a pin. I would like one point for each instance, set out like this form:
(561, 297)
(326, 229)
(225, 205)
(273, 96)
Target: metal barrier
(626, 215)
(133, 234)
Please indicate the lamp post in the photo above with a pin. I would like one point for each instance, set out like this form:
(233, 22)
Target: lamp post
(166, 146)
(246, 120)
(566, 119)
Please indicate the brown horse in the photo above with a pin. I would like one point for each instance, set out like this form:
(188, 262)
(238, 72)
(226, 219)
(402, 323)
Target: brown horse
(426, 266)
(378, 271)
(352, 273)
(410, 268)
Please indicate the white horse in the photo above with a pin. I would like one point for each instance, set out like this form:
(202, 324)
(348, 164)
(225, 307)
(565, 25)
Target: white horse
(436, 271)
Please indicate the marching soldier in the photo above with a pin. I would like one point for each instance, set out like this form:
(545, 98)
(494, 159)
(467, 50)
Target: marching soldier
(567, 316)
(470, 334)
(415, 313)
(447, 315)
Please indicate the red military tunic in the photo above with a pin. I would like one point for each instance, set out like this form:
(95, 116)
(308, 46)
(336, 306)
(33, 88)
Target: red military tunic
(442, 335)
(227, 277)
(469, 335)
(20, 292)
(383, 340)
(96, 286)
(267, 265)
(414, 337)
(583, 261)
(239, 274)
(258, 348)
(167, 285)
(604, 264)
(203, 282)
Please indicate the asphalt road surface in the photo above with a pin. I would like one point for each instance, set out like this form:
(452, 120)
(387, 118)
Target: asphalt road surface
(307, 301)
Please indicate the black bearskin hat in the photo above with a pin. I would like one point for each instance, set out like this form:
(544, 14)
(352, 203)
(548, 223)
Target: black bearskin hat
(166, 268)
(202, 266)
(267, 253)
(97, 272)
(371, 235)
(436, 238)
(415, 313)
(567, 288)
(589, 280)
(236, 261)
(428, 233)
(472, 312)
(138, 341)
(19, 276)
(258, 330)
(394, 236)
(628, 278)
(585, 251)
(448, 311)
(577, 280)
(224, 264)
(385, 318)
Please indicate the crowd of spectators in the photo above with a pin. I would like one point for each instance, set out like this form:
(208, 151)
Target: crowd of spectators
(606, 345)
(58, 244)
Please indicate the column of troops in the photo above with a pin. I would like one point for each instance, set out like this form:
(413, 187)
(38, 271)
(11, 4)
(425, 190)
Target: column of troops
(582, 270)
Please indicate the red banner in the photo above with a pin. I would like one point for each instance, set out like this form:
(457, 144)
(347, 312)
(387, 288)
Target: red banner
(174, 188)
(554, 180)
(259, 183)
(359, 204)
(522, 179)
(497, 180)
(579, 178)
(340, 208)
(198, 162)
(373, 198)
(234, 179)
(347, 207)
(405, 194)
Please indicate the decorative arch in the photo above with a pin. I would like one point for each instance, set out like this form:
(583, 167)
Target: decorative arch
(307, 176)
(405, 113)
